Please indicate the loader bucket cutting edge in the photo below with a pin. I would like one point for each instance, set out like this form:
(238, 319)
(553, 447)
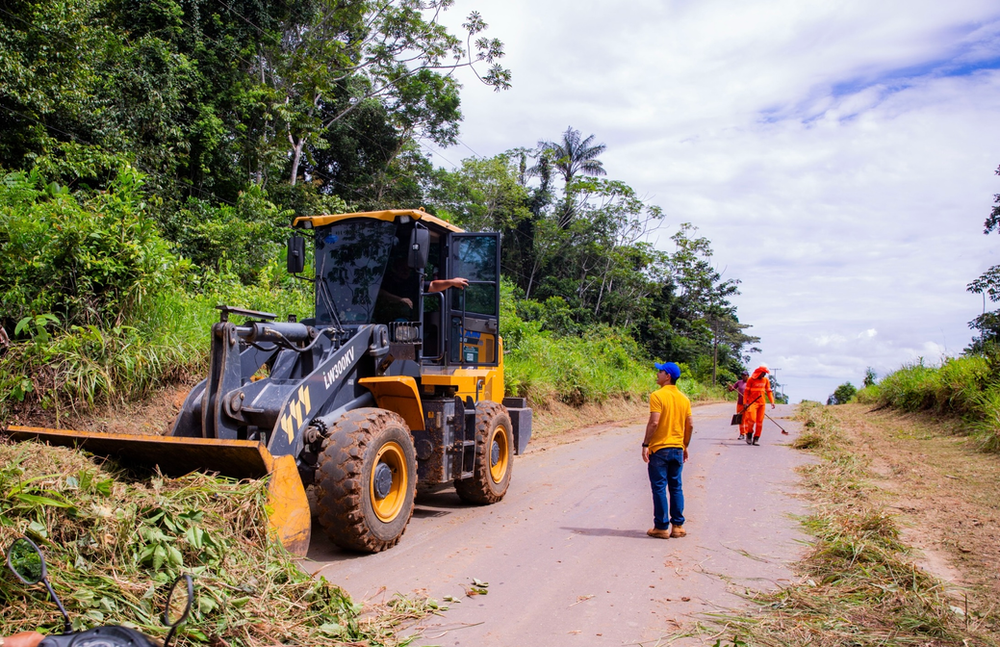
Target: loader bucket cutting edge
(289, 518)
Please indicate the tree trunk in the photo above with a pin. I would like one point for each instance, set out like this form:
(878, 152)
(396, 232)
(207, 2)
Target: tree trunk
(297, 145)
(715, 355)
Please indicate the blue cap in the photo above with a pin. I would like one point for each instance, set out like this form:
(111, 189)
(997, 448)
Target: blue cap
(670, 368)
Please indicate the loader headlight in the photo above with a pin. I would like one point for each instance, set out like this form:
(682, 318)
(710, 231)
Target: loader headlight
(405, 333)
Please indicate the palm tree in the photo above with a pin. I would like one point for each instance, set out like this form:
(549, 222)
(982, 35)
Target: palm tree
(574, 155)
(571, 156)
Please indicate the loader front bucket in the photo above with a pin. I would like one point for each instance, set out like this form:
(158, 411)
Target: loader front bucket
(289, 519)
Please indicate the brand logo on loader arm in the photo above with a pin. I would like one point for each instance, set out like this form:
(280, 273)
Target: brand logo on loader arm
(331, 376)
(297, 410)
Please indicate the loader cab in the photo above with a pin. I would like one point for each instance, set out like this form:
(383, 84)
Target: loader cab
(369, 271)
(471, 316)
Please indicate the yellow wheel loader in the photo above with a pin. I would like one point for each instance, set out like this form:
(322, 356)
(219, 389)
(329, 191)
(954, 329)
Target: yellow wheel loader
(394, 386)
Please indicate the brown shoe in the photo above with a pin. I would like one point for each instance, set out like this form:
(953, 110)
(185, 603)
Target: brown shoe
(677, 531)
(658, 533)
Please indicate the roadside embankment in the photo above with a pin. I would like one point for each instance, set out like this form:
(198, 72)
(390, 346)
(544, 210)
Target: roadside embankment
(906, 528)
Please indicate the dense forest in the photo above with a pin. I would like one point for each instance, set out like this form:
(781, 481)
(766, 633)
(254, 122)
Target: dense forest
(154, 152)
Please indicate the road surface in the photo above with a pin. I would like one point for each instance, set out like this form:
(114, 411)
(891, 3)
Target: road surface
(565, 554)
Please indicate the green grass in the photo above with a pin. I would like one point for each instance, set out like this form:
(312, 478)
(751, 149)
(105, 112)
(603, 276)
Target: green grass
(167, 340)
(967, 388)
(575, 370)
(591, 369)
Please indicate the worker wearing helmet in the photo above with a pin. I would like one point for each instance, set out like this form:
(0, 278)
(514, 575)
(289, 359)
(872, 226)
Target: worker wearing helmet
(755, 395)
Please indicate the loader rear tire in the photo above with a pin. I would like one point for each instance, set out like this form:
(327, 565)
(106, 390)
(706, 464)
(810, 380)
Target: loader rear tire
(494, 456)
(366, 480)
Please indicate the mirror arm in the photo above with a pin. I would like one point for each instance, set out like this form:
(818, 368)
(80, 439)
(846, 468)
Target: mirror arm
(67, 625)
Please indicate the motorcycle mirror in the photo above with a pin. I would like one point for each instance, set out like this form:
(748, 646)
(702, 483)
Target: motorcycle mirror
(179, 601)
(26, 561)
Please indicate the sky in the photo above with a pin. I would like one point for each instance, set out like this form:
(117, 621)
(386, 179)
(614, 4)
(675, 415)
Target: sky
(839, 155)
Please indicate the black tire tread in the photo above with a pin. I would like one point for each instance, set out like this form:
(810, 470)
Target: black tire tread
(341, 486)
(480, 489)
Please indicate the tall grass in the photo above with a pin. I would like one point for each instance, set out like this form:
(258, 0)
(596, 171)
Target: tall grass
(576, 370)
(594, 368)
(599, 365)
(965, 387)
(166, 341)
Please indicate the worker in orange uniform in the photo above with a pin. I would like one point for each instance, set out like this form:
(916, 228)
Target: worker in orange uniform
(755, 395)
(740, 387)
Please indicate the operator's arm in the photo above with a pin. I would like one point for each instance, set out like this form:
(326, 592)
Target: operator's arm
(688, 430)
(770, 393)
(23, 639)
(392, 298)
(440, 285)
(654, 420)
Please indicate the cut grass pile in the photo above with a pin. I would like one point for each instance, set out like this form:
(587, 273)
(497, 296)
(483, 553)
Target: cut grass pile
(114, 544)
(858, 585)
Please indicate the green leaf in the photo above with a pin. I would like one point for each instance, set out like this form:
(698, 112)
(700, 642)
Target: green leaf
(159, 556)
(42, 500)
(330, 629)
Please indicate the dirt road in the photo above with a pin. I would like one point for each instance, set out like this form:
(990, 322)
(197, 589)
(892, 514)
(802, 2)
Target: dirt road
(566, 556)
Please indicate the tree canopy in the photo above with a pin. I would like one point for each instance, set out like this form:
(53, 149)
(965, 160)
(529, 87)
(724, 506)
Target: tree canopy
(163, 141)
(584, 259)
(988, 285)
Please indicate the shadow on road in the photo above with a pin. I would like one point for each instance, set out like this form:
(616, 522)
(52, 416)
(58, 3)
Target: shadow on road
(608, 532)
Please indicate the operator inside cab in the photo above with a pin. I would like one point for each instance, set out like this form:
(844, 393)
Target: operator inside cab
(400, 288)
(399, 292)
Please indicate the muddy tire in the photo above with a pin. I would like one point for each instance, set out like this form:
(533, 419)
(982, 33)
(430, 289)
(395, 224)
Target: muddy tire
(494, 456)
(365, 480)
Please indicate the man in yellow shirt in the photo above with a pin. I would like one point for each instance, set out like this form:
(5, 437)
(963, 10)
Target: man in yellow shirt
(665, 450)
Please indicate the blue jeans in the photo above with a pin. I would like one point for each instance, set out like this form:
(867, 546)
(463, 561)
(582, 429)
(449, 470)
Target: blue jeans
(665, 468)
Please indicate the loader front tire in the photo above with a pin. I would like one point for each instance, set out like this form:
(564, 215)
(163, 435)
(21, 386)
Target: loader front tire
(494, 456)
(366, 480)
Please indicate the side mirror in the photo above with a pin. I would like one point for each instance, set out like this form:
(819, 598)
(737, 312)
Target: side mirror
(296, 255)
(25, 560)
(420, 248)
(179, 602)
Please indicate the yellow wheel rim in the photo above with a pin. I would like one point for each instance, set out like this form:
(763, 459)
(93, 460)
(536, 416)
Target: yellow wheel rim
(391, 455)
(499, 454)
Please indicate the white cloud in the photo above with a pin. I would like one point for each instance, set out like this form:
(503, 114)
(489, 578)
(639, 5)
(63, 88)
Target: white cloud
(830, 151)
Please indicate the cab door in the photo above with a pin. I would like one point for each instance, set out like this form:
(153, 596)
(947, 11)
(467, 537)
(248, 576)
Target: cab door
(473, 313)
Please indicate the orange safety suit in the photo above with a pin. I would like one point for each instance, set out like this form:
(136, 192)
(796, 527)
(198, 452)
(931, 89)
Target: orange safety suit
(757, 392)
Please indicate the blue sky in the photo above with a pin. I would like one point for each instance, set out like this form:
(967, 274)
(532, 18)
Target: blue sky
(839, 155)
